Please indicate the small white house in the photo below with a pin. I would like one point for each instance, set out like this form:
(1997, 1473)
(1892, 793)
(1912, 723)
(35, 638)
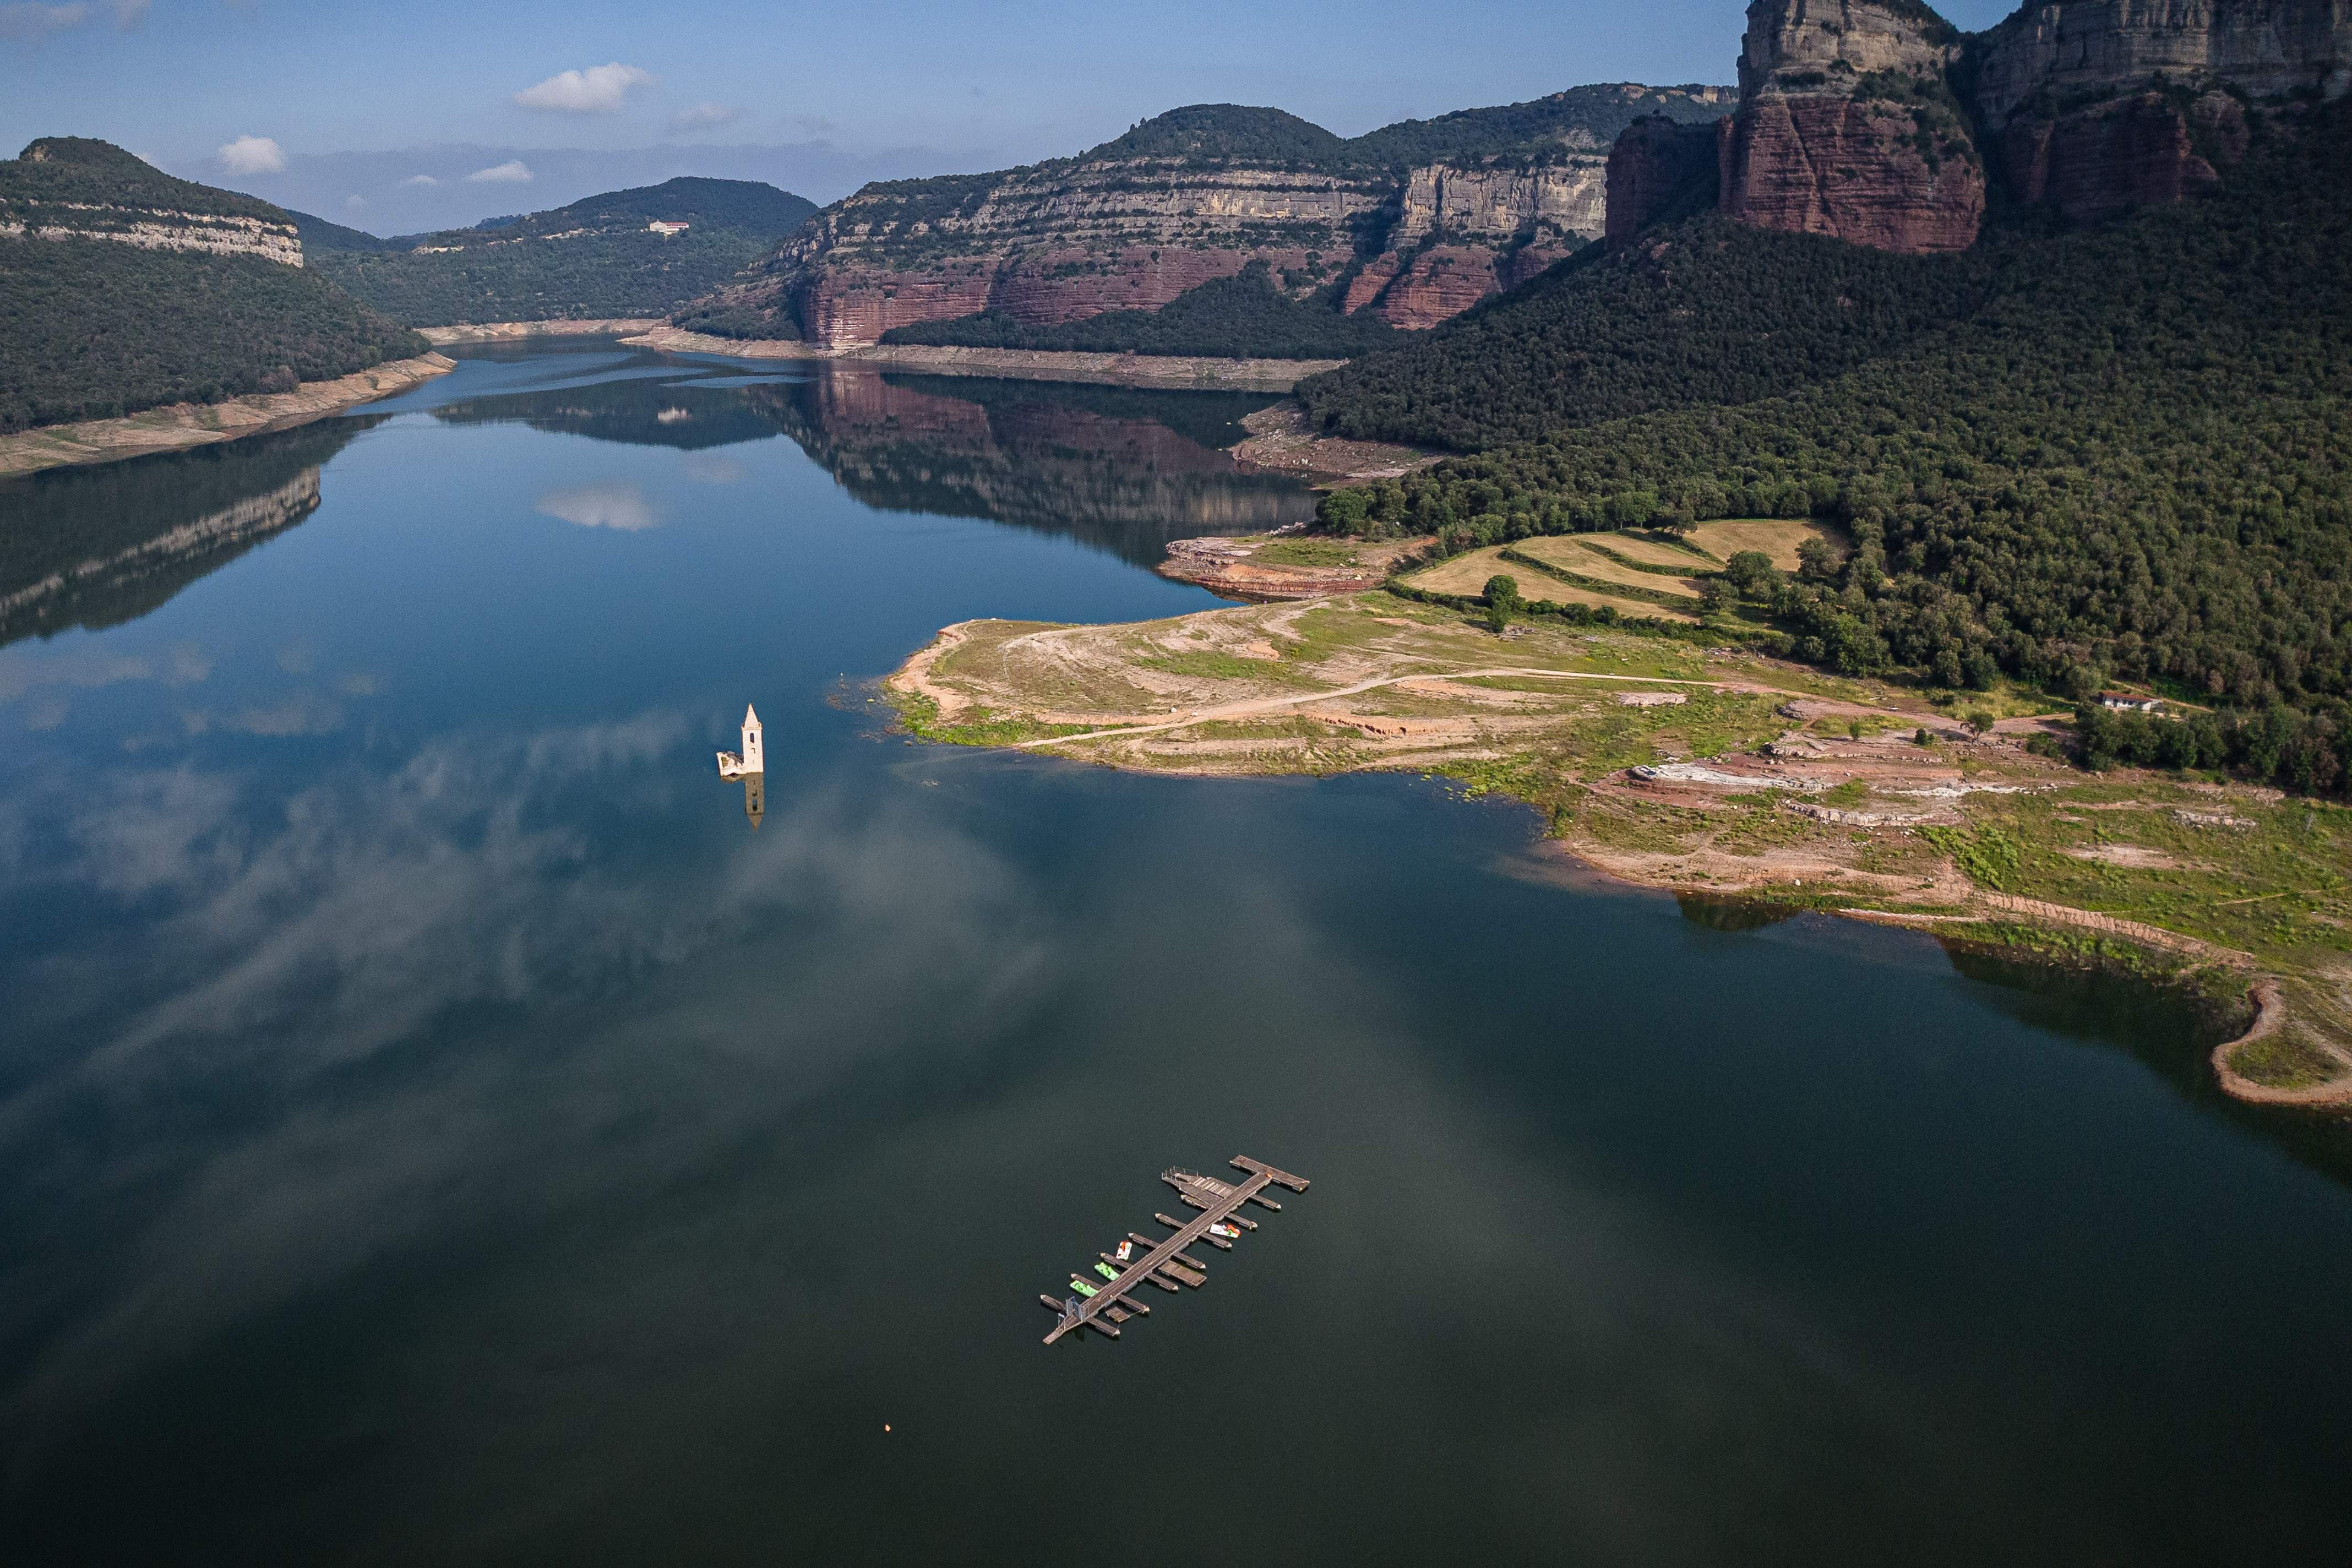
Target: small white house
(2128, 702)
(753, 759)
(665, 228)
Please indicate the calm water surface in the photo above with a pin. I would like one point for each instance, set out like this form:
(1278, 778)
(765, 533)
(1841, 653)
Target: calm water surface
(435, 1127)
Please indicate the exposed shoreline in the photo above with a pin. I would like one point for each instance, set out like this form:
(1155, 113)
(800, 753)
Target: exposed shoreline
(1970, 836)
(1169, 372)
(500, 332)
(181, 425)
(1183, 373)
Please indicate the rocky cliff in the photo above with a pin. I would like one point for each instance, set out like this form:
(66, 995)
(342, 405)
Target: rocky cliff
(65, 187)
(1658, 169)
(1876, 122)
(1846, 127)
(2093, 106)
(1414, 222)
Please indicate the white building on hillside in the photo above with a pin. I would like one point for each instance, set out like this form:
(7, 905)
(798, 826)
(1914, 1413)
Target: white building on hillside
(666, 229)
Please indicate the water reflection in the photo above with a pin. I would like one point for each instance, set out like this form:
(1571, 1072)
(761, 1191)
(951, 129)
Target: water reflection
(1120, 468)
(643, 411)
(2170, 1033)
(1123, 471)
(100, 545)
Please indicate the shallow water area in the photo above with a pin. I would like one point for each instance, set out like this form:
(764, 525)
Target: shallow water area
(438, 1124)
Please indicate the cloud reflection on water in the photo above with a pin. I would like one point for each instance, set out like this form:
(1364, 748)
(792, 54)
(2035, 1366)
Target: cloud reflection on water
(611, 503)
(378, 907)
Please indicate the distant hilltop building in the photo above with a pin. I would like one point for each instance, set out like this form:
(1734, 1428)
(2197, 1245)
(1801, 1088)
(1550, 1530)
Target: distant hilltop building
(754, 759)
(664, 228)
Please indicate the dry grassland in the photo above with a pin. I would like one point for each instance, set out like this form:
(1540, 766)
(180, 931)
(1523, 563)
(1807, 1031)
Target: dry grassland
(1467, 574)
(1776, 537)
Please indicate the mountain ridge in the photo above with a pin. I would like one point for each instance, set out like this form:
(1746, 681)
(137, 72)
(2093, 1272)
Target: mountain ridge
(122, 289)
(1414, 221)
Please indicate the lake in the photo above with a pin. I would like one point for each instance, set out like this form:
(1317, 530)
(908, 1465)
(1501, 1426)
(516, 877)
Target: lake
(437, 1125)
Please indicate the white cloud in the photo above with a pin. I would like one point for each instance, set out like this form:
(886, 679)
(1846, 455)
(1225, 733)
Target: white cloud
(39, 21)
(419, 179)
(513, 172)
(354, 202)
(616, 503)
(599, 90)
(252, 155)
(704, 117)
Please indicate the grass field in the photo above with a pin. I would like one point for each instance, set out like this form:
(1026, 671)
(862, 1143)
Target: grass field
(1574, 553)
(1645, 551)
(1776, 537)
(1467, 574)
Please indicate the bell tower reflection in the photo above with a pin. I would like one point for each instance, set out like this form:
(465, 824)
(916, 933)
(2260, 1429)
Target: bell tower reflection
(755, 798)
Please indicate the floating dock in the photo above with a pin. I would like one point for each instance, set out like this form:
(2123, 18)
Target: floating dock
(1166, 1264)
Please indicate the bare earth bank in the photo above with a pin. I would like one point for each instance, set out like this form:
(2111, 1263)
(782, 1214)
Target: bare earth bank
(185, 425)
(1715, 771)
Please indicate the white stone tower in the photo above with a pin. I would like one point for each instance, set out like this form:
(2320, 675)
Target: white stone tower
(754, 757)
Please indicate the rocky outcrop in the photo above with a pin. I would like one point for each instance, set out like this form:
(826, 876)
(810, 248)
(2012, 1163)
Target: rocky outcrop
(2046, 55)
(1846, 128)
(1860, 170)
(2093, 107)
(2141, 151)
(1413, 238)
(1659, 167)
(1805, 45)
(65, 187)
(153, 231)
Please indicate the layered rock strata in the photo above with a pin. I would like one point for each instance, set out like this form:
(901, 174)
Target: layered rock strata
(1875, 122)
(2095, 106)
(1845, 127)
(1412, 240)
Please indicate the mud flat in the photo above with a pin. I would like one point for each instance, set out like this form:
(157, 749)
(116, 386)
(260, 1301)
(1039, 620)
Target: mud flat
(185, 425)
(1765, 780)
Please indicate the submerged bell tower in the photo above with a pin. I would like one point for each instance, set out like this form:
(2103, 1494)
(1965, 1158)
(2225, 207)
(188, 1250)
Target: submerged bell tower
(753, 759)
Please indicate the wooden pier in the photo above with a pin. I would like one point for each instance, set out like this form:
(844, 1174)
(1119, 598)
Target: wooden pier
(1166, 1264)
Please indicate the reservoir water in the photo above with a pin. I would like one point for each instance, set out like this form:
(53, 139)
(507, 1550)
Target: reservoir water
(437, 1126)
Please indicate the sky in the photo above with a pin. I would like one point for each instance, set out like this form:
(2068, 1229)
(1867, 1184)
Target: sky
(396, 117)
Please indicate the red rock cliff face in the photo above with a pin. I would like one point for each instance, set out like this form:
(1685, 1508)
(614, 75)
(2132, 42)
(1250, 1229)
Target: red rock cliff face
(1848, 125)
(2096, 106)
(1845, 128)
(1824, 164)
(2141, 151)
(1061, 241)
(1655, 166)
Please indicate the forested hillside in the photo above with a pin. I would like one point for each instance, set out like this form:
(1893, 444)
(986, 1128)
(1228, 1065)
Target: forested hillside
(591, 259)
(93, 327)
(1707, 311)
(2127, 459)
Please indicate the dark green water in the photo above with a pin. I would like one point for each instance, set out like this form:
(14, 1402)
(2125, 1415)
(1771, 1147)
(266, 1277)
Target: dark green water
(435, 1128)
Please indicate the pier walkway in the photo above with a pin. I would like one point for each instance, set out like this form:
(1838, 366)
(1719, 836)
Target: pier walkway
(1167, 1266)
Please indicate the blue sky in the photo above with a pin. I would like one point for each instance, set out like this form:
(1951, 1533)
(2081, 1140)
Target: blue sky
(821, 96)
